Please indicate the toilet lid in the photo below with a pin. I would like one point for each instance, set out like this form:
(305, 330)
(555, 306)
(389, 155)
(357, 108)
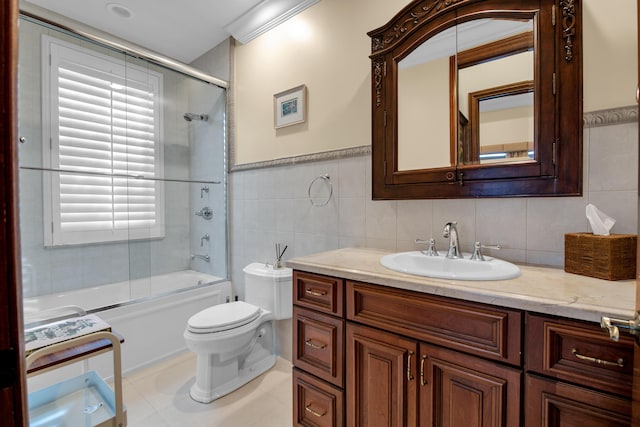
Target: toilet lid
(222, 317)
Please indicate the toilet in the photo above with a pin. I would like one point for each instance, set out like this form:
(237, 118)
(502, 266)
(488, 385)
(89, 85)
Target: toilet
(235, 342)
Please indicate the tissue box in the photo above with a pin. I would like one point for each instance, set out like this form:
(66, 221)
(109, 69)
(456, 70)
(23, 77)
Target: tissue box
(605, 257)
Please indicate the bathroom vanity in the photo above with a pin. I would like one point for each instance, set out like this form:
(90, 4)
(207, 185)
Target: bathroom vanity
(375, 347)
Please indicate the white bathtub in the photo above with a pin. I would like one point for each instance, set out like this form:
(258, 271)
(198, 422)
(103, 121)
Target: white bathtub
(152, 328)
(113, 294)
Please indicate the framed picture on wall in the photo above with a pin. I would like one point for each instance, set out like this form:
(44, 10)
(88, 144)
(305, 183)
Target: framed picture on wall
(290, 106)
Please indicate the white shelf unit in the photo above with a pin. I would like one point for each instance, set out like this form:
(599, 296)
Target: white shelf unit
(84, 400)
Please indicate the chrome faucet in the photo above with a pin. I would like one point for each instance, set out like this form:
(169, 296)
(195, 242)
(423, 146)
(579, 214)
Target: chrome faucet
(202, 257)
(450, 232)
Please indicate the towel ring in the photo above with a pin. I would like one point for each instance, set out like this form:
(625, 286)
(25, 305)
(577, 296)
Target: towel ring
(325, 178)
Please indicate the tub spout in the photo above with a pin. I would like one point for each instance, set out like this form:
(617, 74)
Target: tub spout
(202, 257)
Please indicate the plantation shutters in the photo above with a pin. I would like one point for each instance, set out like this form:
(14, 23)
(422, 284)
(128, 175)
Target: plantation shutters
(102, 146)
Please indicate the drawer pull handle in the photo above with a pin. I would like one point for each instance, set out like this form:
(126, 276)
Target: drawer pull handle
(316, 346)
(314, 413)
(315, 293)
(422, 380)
(619, 362)
(409, 375)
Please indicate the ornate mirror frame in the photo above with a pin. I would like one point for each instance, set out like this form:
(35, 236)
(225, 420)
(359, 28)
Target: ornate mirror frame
(557, 37)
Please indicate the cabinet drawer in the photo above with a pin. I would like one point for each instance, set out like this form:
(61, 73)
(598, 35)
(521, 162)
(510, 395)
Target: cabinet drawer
(316, 403)
(322, 293)
(483, 330)
(579, 352)
(551, 403)
(319, 345)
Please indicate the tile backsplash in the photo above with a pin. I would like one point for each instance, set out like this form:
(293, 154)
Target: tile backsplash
(271, 205)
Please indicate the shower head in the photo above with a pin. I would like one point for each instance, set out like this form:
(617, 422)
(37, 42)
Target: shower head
(190, 116)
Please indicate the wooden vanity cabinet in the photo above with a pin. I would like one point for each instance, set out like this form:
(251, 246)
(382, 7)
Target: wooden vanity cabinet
(372, 355)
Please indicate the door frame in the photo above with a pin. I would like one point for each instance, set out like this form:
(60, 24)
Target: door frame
(635, 405)
(12, 397)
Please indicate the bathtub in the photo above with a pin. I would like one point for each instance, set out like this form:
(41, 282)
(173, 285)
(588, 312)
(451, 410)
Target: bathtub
(108, 296)
(152, 325)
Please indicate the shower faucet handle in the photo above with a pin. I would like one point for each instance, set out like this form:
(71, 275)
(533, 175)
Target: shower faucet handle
(203, 238)
(205, 213)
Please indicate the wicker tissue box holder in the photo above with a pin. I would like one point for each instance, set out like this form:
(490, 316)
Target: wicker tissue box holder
(605, 257)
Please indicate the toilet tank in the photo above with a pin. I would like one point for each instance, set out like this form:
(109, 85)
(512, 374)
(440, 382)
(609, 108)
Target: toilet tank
(269, 288)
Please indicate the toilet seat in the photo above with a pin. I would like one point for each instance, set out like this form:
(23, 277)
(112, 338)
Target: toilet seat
(223, 317)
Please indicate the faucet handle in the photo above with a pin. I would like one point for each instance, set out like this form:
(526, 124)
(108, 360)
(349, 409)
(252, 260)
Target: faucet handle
(477, 251)
(431, 249)
(496, 247)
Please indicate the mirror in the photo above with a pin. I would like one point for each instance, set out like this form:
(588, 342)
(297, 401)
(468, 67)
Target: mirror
(486, 57)
(475, 99)
(424, 92)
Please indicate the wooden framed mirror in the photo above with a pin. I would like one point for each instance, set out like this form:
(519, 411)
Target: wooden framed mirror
(478, 99)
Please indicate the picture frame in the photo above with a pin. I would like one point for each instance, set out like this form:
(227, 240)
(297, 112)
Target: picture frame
(290, 107)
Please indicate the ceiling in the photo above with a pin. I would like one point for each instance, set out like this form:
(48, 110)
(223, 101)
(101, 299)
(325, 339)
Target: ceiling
(182, 30)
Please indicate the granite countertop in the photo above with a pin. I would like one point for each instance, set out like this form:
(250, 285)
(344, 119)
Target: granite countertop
(538, 289)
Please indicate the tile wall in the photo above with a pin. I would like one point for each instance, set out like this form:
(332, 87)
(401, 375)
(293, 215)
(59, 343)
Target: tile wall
(271, 205)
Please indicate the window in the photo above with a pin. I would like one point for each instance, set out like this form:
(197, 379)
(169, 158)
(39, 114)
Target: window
(101, 133)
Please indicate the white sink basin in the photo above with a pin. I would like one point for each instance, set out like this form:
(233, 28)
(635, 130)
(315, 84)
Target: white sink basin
(441, 267)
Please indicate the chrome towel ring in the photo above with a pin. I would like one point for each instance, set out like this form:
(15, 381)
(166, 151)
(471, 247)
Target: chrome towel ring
(323, 179)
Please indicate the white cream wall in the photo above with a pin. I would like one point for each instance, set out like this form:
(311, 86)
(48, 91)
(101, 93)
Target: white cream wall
(506, 126)
(417, 112)
(610, 53)
(514, 68)
(326, 48)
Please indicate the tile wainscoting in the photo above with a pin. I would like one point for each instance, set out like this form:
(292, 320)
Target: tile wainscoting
(269, 203)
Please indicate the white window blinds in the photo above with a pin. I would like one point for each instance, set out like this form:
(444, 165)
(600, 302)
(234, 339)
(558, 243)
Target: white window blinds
(103, 146)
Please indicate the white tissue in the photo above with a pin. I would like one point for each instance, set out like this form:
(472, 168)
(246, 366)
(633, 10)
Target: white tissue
(600, 222)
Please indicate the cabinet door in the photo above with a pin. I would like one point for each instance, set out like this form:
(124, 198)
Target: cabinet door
(460, 390)
(381, 379)
(550, 403)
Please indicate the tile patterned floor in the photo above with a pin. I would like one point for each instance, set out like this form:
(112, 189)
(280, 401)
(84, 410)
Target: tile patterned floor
(159, 397)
